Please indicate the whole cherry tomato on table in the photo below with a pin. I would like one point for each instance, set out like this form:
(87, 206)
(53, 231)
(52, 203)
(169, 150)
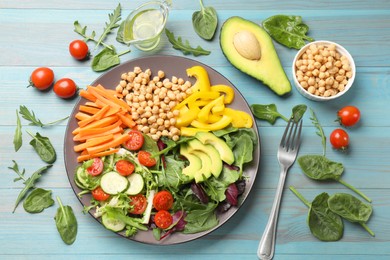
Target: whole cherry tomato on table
(78, 49)
(138, 204)
(348, 116)
(339, 139)
(163, 219)
(65, 88)
(163, 200)
(99, 194)
(42, 78)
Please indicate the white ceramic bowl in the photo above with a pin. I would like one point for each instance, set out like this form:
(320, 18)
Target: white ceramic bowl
(314, 97)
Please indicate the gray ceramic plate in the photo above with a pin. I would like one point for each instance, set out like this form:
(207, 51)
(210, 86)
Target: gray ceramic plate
(172, 66)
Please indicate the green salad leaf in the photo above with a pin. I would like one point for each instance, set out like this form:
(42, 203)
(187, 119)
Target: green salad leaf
(18, 141)
(185, 47)
(38, 200)
(205, 21)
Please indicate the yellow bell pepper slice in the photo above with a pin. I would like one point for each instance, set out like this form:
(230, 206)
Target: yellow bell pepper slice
(240, 119)
(202, 78)
(226, 90)
(191, 131)
(222, 123)
(206, 110)
(207, 95)
(186, 116)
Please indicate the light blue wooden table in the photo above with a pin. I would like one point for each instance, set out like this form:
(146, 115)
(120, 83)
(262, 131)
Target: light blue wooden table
(37, 33)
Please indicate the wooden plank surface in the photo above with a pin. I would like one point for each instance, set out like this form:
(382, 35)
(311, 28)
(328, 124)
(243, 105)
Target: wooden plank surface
(37, 33)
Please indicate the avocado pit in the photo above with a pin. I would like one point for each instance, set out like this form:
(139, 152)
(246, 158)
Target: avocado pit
(247, 45)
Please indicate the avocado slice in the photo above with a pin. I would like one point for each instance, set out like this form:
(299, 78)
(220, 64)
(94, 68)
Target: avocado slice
(210, 151)
(195, 164)
(225, 153)
(250, 49)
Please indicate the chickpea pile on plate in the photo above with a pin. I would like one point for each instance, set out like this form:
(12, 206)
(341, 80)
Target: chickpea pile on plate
(152, 99)
(322, 70)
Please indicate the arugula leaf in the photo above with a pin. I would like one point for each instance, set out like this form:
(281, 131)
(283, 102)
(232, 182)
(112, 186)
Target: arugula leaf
(15, 168)
(114, 18)
(29, 183)
(267, 112)
(185, 47)
(288, 30)
(205, 21)
(30, 116)
(18, 141)
(83, 31)
(320, 131)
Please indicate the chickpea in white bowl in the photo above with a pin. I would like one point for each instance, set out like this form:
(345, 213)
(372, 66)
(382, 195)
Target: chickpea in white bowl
(323, 70)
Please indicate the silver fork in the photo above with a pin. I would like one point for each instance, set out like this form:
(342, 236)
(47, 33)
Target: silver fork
(287, 153)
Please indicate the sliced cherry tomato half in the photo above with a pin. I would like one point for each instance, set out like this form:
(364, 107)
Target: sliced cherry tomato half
(65, 88)
(135, 142)
(78, 49)
(146, 159)
(42, 78)
(339, 139)
(138, 204)
(163, 219)
(99, 194)
(124, 167)
(348, 116)
(96, 168)
(163, 200)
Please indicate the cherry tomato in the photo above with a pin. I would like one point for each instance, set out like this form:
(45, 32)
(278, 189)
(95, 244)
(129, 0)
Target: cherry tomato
(135, 142)
(138, 203)
(348, 116)
(163, 200)
(99, 194)
(42, 78)
(65, 88)
(146, 159)
(339, 139)
(163, 219)
(124, 168)
(78, 49)
(96, 168)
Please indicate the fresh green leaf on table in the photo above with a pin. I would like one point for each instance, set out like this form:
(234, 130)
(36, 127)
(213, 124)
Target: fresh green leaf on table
(21, 174)
(323, 223)
(66, 223)
(28, 183)
(18, 141)
(83, 32)
(106, 59)
(268, 113)
(43, 147)
(30, 116)
(205, 21)
(320, 131)
(38, 200)
(298, 111)
(185, 47)
(114, 19)
(288, 30)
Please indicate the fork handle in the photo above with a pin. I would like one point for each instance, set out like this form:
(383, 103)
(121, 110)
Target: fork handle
(267, 242)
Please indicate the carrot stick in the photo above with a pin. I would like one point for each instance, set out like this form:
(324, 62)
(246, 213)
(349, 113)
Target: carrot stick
(127, 120)
(85, 94)
(88, 109)
(103, 99)
(99, 130)
(100, 123)
(81, 116)
(92, 104)
(93, 142)
(114, 143)
(99, 115)
(103, 92)
(80, 138)
(84, 157)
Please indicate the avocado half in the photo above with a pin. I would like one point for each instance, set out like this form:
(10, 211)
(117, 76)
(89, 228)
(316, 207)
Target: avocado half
(263, 65)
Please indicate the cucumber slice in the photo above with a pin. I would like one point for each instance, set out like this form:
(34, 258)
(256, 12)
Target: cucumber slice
(113, 183)
(136, 184)
(113, 224)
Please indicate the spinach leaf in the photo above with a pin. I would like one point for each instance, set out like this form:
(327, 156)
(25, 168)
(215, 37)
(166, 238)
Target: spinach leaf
(267, 112)
(201, 219)
(205, 21)
(43, 147)
(28, 183)
(320, 131)
(30, 116)
(323, 223)
(105, 59)
(351, 208)
(18, 141)
(38, 200)
(172, 175)
(288, 30)
(243, 151)
(318, 167)
(66, 223)
(298, 111)
(185, 47)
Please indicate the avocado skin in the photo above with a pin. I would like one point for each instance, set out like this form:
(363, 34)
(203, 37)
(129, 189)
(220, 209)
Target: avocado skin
(268, 69)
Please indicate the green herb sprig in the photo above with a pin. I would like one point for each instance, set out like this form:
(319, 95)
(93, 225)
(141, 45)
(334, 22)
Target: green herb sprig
(185, 47)
(30, 116)
(18, 141)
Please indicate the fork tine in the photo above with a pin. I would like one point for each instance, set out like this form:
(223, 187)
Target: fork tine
(290, 140)
(283, 142)
(298, 140)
